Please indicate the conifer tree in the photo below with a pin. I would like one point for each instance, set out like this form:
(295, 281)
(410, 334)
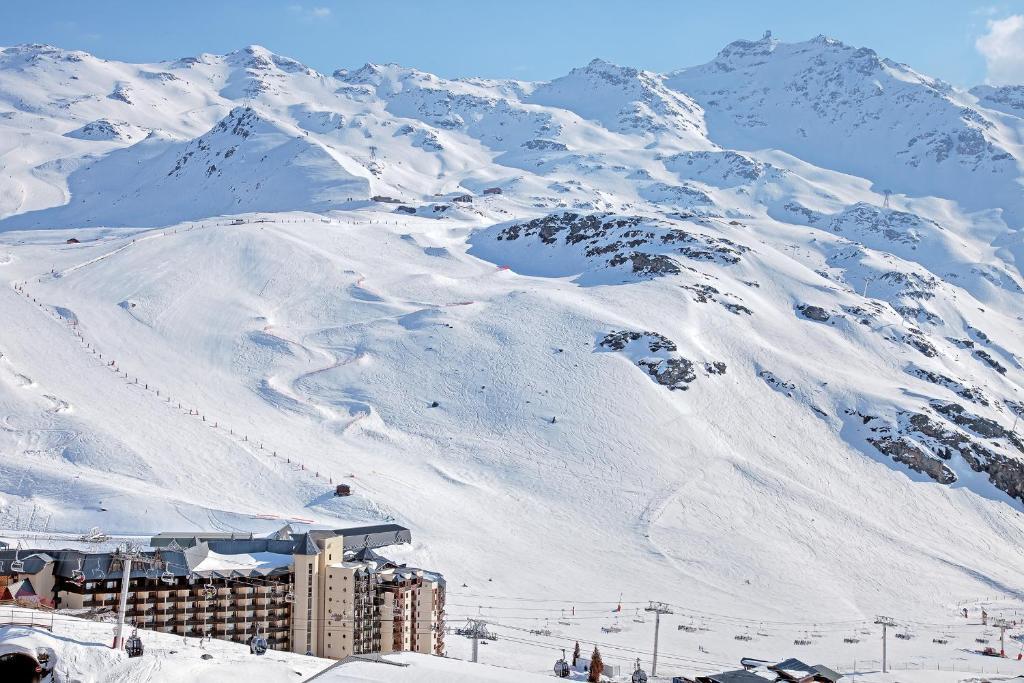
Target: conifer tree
(576, 653)
(596, 667)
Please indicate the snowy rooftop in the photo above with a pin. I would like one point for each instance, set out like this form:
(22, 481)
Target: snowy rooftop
(410, 667)
(261, 562)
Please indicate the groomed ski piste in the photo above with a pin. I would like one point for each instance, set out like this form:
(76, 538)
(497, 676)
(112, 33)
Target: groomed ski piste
(671, 360)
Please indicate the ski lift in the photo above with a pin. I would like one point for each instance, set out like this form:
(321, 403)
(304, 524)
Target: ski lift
(77, 575)
(805, 640)
(689, 628)
(208, 591)
(905, 635)
(745, 636)
(639, 618)
(133, 646)
(941, 641)
(612, 628)
(639, 675)
(851, 639)
(761, 632)
(703, 626)
(561, 667)
(167, 576)
(258, 643)
(17, 565)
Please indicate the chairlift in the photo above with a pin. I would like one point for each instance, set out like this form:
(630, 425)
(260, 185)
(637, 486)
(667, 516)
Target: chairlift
(639, 618)
(258, 643)
(639, 675)
(208, 591)
(905, 634)
(289, 596)
(745, 636)
(167, 576)
(612, 628)
(561, 667)
(703, 626)
(133, 646)
(940, 641)
(804, 640)
(851, 639)
(17, 565)
(77, 575)
(689, 628)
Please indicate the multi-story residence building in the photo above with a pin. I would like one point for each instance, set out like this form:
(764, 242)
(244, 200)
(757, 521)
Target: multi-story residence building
(327, 593)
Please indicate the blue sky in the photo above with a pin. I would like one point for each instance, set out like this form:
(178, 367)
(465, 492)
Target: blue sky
(526, 38)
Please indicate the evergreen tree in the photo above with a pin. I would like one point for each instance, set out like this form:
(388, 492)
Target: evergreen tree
(596, 667)
(576, 653)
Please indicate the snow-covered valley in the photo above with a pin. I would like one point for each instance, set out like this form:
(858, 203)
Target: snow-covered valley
(745, 338)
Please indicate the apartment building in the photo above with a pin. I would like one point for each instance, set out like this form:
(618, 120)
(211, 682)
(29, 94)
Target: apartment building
(357, 601)
(325, 592)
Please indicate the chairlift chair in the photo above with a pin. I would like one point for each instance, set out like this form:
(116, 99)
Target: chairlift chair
(258, 642)
(639, 675)
(17, 565)
(167, 576)
(77, 575)
(562, 668)
(689, 628)
(133, 646)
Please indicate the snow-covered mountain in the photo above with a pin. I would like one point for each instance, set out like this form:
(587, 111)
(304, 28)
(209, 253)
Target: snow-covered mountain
(720, 327)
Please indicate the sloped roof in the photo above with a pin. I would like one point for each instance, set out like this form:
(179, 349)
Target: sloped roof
(738, 676)
(826, 672)
(793, 669)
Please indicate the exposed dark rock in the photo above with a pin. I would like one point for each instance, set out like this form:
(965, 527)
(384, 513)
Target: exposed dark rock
(545, 145)
(702, 293)
(674, 373)
(776, 383)
(636, 241)
(904, 451)
(647, 264)
(989, 361)
(917, 339)
(982, 426)
(973, 394)
(715, 368)
(657, 356)
(813, 312)
(736, 308)
(618, 340)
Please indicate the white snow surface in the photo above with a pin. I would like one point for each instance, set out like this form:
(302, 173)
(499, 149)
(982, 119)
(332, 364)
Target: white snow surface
(729, 224)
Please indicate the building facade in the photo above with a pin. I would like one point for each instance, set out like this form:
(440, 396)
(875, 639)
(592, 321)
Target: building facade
(326, 593)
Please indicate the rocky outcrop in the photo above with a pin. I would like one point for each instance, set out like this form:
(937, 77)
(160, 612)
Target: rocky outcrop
(658, 356)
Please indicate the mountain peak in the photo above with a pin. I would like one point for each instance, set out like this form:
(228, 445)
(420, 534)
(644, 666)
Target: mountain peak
(259, 58)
